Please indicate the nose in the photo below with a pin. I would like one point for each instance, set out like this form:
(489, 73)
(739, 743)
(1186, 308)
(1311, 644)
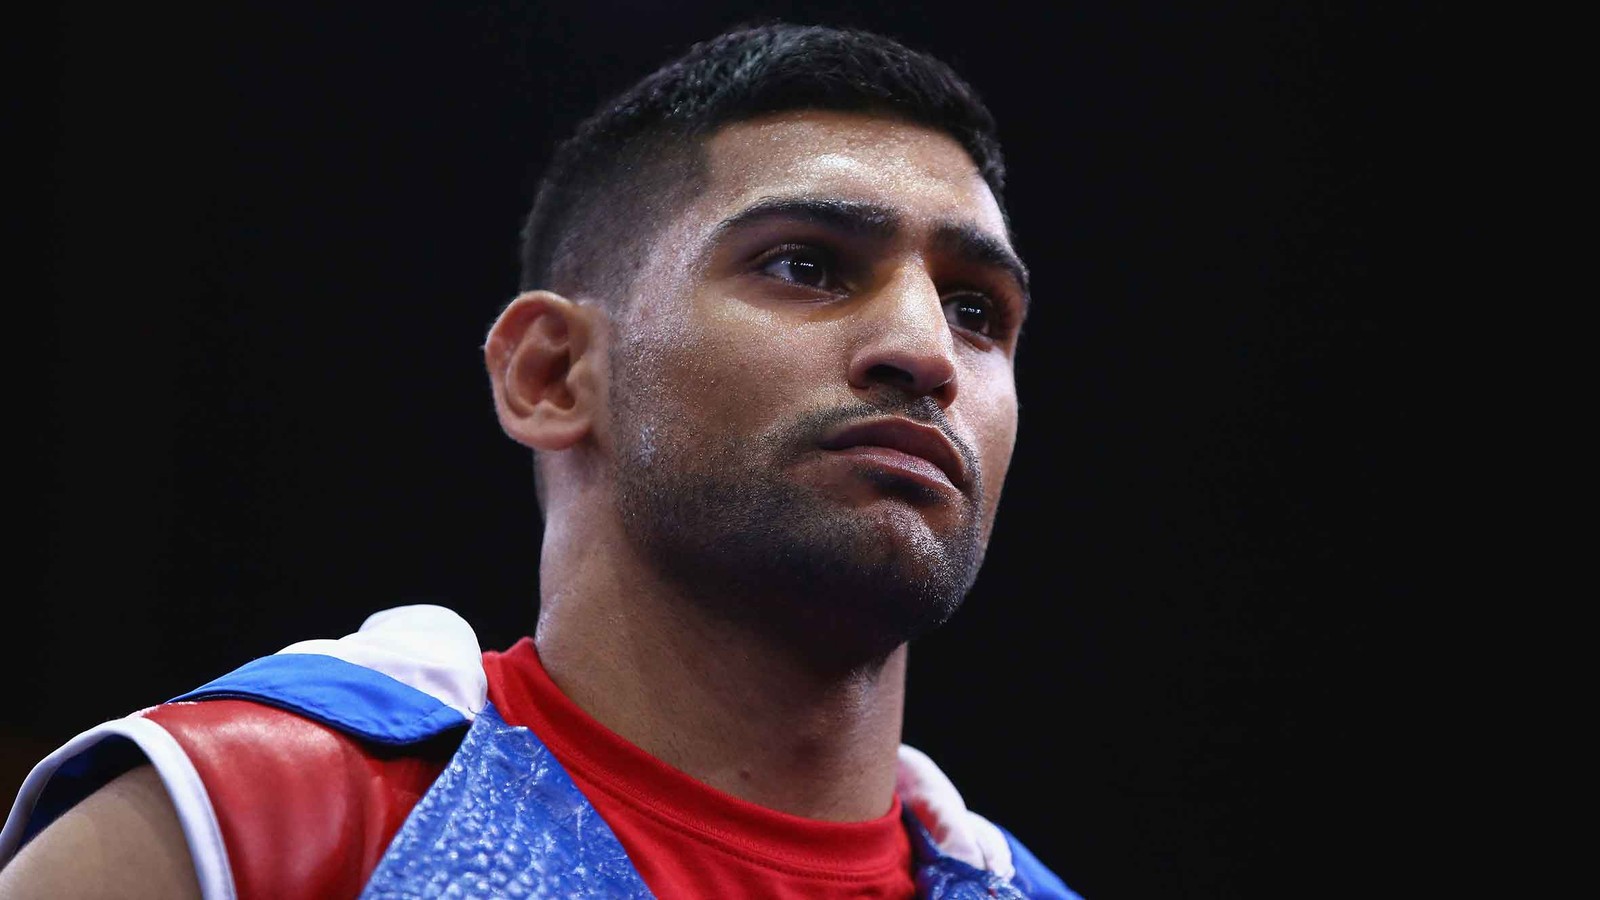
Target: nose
(905, 341)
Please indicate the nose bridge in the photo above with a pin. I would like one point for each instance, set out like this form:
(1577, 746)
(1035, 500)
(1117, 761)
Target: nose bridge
(906, 339)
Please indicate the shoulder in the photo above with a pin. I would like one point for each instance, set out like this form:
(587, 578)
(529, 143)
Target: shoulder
(292, 795)
(946, 834)
(323, 747)
(408, 674)
(128, 828)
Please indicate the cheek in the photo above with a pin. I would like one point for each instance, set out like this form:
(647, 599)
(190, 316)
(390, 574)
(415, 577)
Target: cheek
(753, 352)
(993, 402)
(997, 456)
(721, 362)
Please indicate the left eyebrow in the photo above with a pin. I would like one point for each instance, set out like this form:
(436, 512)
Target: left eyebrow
(980, 248)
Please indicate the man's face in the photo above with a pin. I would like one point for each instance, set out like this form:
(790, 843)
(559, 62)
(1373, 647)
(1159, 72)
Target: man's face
(812, 397)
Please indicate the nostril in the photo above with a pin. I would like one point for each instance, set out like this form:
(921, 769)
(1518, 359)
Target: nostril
(884, 373)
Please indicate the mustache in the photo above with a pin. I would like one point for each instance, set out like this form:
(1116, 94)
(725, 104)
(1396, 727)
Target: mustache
(812, 427)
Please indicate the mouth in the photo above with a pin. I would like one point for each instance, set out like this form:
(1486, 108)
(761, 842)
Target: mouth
(920, 451)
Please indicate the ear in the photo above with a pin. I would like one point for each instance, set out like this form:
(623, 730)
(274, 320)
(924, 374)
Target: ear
(542, 360)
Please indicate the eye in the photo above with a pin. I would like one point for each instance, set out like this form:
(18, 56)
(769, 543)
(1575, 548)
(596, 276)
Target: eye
(804, 266)
(973, 312)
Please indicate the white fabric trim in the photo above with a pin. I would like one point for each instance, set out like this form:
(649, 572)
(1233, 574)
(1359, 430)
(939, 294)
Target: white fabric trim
(428, 647)
(958, 831)
(178, 775)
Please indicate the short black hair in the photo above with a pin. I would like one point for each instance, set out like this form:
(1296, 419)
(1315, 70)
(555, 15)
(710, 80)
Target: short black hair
(638, 158)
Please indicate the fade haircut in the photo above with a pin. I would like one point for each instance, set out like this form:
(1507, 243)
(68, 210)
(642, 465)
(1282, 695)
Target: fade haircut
(639, 158)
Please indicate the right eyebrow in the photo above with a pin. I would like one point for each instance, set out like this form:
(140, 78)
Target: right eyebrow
(863, 220)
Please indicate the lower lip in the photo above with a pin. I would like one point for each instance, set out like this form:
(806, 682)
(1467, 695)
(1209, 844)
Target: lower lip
(901, 463)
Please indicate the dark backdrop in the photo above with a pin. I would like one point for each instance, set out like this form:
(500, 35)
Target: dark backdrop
(275, 235)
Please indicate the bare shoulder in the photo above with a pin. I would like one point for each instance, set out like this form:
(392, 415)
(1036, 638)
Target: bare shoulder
(122, 841)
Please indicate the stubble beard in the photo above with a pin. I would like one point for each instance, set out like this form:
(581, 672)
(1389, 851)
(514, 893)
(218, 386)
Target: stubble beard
(724, 521)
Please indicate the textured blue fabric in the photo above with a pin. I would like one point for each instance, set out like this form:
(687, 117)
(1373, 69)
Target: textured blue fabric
(504, 820)
(942, 877)
(351, 698)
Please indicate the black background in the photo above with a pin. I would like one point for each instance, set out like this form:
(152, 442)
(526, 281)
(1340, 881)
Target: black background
(275, 235)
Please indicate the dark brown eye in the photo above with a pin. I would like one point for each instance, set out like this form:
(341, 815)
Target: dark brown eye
(973, 312)
(805, 267)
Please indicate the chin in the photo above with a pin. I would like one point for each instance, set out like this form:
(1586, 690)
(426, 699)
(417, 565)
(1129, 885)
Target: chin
(849, 582)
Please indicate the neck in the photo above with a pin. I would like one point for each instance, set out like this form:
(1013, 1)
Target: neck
(740, 711)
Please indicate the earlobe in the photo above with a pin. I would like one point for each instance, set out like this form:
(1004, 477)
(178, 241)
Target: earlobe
(539, 360)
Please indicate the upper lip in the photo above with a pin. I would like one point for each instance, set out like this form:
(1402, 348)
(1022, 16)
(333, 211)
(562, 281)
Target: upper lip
(906, 436)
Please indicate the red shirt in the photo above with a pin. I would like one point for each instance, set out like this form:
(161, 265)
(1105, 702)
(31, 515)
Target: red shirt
(686, 838)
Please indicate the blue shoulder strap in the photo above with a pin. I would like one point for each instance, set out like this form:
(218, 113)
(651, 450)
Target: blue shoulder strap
(408, 674)
(941, 876)
(351, 698)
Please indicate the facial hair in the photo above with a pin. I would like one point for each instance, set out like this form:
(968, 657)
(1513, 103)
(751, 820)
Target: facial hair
(721, 515)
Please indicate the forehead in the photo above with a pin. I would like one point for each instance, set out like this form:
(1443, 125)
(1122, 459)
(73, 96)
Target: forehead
(923, 174)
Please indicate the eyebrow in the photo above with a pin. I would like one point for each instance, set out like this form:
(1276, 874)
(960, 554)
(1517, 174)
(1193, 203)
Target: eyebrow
(877, 222)
(983, 249)
(867, 220)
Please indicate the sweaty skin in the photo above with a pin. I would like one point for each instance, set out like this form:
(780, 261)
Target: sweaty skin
(740, 331)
